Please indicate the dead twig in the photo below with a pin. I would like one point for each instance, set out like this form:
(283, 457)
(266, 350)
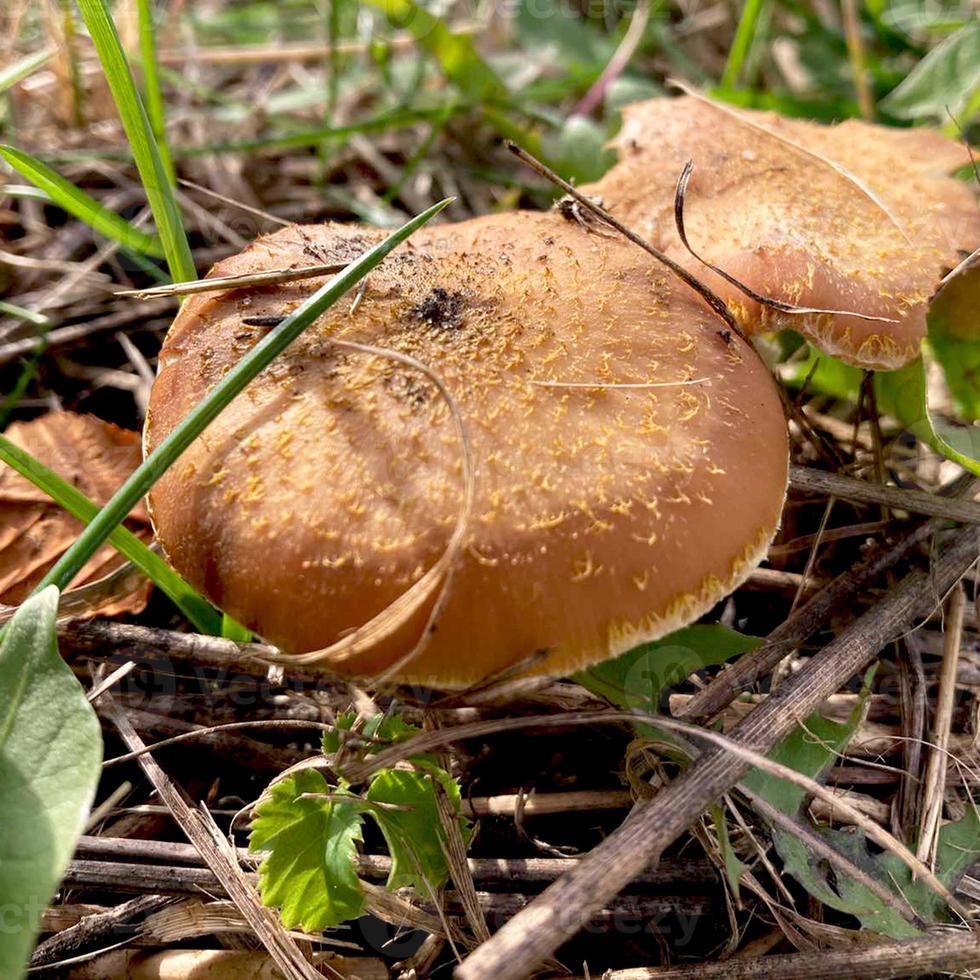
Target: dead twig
(710, 297)
(97, 930)
(199, 827)
(943, 952)
(518, 872)
(220, 284)
(933, 790)
(559, 912)
(729, 683)
(860, 491)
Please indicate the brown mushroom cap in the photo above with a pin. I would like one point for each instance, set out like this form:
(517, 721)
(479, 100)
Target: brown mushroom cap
(793, 228)
(602, 517)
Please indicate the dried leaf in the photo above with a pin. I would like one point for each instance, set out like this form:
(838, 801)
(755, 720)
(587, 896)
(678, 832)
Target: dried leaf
(34, 531)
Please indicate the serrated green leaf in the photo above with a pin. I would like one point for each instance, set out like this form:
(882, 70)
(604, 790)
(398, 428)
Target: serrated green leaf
(959, 847)
(414, 834)
(50, 762)
(309, 872)
(809, 749)
(948, 76)
(76, 202)
(389, 727)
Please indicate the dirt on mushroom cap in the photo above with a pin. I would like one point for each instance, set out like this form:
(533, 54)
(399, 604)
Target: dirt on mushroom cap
(795, 229)
(602, 516)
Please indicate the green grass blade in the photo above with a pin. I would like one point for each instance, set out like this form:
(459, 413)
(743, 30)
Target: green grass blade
(195, 607)
(23, 67)
(155, 109)
(748, 23)
(25, 191)
(28, 316)
(156, 183)
(76, 202)
(257, 359)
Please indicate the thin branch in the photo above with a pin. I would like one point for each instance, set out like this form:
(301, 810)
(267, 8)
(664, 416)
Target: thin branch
(934, 788)
(559, 912)
(942, 952)
(220, 284)
(200, 829)
(861, 491)
(710, 297)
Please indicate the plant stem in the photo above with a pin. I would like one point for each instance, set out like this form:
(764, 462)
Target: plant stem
(742, 42)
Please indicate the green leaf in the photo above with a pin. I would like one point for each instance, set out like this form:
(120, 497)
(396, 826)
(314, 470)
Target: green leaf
(635, 679)
(390, 728)
(810, 749)
(155, 109)
(954, 338)
(142, 142)
(578, 150)
(948, 76)
(903, 395)
(193, 605)
(959, 847)
(309, 871)
(76, 202)
(23, 67)
(733, 866)
(960, 360)
(231, 629)
(826, 375)
(954, 335)
(414, 834)
(750, 30)
(456, 55)
(28, 316)
(191, 426)
(578, 45)
(50, 762)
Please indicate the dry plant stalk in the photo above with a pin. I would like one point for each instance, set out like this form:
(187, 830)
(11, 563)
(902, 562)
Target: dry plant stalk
(200, 829)
(559, 912)
(934, 784)
(248, 280)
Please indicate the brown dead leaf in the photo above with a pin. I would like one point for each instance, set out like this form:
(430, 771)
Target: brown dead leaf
(94, 456)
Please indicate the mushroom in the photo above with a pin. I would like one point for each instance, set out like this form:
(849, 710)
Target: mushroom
(630, 458)
(851, 217)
